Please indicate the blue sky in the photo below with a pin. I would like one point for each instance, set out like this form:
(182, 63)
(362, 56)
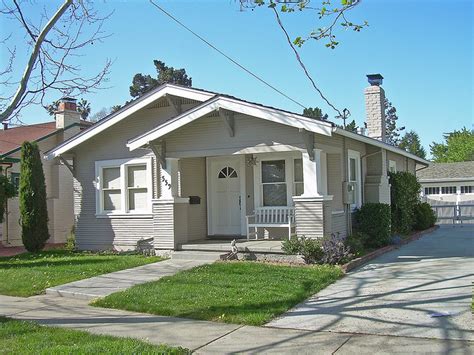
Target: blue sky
(423, 49)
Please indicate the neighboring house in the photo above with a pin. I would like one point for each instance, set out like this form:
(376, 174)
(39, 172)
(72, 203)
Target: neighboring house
(181, 164)
(57, 177)
(449, 184)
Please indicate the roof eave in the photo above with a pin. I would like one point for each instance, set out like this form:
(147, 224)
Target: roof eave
(380, 144)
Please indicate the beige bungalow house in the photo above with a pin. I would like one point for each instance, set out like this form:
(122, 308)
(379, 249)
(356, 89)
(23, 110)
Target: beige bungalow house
(181, 164)
(58, 180)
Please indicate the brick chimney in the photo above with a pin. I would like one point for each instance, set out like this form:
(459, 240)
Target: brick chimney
(374, 106)
(67, 113)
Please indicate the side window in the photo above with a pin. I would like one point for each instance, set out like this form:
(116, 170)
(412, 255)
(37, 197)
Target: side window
(15, 179)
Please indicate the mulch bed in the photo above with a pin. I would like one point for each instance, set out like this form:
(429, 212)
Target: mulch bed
(351, 265)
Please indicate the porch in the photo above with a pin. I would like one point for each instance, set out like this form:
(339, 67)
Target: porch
(264, 246)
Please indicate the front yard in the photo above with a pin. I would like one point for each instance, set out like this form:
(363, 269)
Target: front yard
(232, 292)
(30, 274)
(20, 337)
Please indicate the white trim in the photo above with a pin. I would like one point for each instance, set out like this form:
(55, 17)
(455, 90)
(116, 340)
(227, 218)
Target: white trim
(122, 164)
(380, 144)
(166, 89)
(392, 164)
(354, 154)
(243, 192)
(233, 105)
(289, 158)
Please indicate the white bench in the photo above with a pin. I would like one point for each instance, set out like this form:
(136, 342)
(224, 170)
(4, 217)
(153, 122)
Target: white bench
(283, 217)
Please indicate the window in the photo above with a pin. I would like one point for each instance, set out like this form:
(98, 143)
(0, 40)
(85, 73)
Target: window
(448, 190)
(274, 183)
(124, 186)
(227, 172)
(431, 190)
(392, 166)
(467, 189)
(298, 177)
(15, 179)
(355, 176)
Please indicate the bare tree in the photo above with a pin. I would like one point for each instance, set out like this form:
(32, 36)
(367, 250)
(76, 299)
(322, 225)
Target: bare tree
(54, 44)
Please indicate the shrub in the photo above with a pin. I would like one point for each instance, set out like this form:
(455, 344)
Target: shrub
(7, 190)
(424, 216)
(32, 195)
(310, 249)
(335, 250)
(373, 222)
(356, 243)
(404, 193)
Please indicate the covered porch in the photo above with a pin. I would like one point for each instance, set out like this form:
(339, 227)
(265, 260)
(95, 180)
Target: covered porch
(215, 168)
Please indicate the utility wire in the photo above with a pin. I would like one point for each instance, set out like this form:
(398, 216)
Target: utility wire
(298, 58)
(225, 55)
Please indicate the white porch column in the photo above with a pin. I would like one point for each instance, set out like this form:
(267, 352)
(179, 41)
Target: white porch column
(169, 180)
(312, 174)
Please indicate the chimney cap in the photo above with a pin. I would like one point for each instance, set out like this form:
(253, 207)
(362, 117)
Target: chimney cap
(67, 99)
(375, 79)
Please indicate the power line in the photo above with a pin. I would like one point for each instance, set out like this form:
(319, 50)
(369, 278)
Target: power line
(248, 71)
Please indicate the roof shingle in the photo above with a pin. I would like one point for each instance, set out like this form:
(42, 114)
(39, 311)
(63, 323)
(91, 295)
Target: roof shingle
(440, 171)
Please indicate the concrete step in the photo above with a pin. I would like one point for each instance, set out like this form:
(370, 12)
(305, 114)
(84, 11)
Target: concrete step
(210, 256)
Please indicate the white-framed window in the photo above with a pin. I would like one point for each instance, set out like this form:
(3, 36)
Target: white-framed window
(355, 175)
(448, 190)
(392, 166)
(432, 190)
(278, 177)
(123, 186)
(467, 189)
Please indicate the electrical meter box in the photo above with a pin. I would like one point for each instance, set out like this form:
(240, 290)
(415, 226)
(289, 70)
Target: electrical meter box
(349, 192)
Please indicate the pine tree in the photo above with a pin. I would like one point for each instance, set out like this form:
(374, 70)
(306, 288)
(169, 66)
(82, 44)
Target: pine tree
(32, 195)
(392, 131)
(411, 143)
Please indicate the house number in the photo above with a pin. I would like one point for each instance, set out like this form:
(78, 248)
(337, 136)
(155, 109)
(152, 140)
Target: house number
(166, 183)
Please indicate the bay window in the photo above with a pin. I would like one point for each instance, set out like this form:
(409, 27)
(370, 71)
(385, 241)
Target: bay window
(123, 186)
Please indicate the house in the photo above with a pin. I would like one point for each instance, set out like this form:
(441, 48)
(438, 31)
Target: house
(449, 188)
(181, 164)
(58, 179)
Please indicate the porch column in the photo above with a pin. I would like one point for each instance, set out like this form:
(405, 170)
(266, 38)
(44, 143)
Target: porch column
(169, 180)
(312, 174)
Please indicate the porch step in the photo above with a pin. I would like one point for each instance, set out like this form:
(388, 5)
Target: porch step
(191, 255)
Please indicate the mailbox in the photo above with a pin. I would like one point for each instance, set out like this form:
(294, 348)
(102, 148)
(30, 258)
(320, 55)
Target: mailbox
(194, 200)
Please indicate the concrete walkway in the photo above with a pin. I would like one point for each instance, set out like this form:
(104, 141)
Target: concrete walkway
(103, 285)
(399, 292)
(213, 338)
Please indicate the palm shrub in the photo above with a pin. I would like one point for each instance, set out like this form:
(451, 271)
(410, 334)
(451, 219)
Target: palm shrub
(32, 196)
(404, 194)
(373, 223)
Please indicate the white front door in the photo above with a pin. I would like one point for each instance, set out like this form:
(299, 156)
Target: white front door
(225, 198)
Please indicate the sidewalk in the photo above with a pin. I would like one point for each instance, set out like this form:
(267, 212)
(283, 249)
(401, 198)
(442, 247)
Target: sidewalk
(103, 285)
(209, 337)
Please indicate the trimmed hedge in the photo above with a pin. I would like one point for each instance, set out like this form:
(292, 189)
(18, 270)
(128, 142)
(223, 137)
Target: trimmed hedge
(404, 193)
(373, 222)
(424, 216)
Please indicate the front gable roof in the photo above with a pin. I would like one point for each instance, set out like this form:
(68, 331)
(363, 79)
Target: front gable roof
(232, 104)
(126, 111)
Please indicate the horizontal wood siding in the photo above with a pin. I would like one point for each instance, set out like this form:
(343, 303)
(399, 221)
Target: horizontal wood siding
(163, 225)
(339, 224)
(105, 233)
(335, 179)
(210, 133)
(309, 219)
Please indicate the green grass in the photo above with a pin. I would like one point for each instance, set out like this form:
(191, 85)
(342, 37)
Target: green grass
(232, 292)
(30, 274)
(20, 337)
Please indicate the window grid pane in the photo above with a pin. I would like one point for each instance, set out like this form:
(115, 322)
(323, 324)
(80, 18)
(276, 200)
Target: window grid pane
(352, 169)
(112, 200)
(111, 178)
(298, 169)
(274, 195)
(273, 171)
(136, 176)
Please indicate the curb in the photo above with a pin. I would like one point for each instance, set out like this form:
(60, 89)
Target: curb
(351, 265)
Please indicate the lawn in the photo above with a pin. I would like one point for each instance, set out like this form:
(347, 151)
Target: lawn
(30, 274)
(232, 292)
(20, 337)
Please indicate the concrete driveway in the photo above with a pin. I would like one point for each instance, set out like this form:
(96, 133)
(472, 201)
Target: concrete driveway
(399, 292)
